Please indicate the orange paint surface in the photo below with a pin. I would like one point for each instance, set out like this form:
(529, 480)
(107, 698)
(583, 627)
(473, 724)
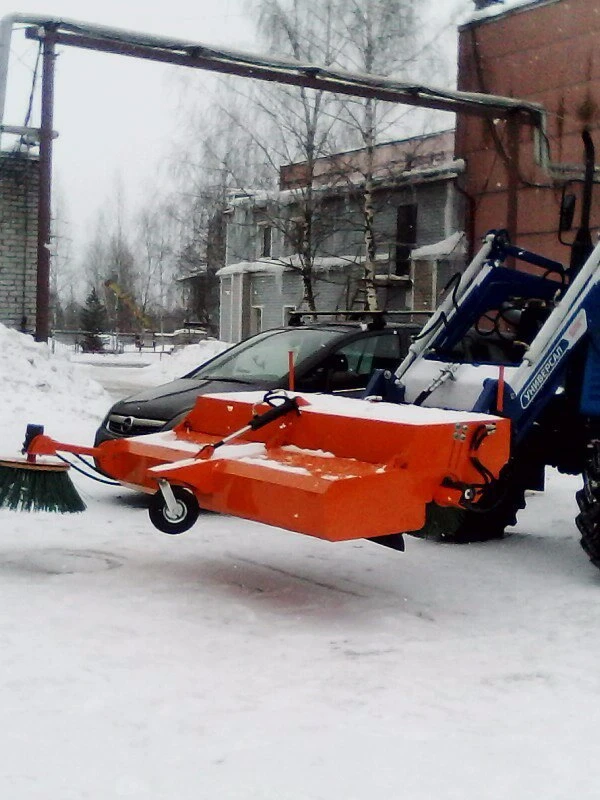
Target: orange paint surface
(317, 473)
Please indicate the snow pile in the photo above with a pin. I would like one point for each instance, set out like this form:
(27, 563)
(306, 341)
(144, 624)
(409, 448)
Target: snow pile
(36, 384)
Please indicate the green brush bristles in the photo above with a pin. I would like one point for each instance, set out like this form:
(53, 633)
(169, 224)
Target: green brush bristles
(30, 486)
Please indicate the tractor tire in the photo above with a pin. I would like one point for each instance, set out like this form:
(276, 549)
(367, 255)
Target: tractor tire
(185, 516)
(489, 524)
(588, 500)
(463, 526)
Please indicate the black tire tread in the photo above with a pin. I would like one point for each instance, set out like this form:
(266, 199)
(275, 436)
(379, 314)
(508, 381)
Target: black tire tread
(588, 501)
(497, 510)
(157, 507)
(489, 524)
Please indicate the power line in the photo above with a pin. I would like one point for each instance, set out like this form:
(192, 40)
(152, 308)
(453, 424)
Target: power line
(33, 86)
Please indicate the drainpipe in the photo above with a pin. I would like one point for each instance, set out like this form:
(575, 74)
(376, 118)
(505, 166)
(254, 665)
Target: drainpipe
(513, 182)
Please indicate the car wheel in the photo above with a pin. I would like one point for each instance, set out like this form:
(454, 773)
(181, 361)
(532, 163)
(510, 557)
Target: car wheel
(185, 515)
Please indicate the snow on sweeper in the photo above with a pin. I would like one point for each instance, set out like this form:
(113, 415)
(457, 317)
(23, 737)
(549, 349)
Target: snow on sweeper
(503, 380)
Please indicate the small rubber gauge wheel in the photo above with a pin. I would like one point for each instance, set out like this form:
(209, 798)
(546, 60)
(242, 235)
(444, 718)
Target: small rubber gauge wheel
(185, 514)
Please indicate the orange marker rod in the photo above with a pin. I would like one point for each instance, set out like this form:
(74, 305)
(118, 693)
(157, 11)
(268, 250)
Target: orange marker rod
(292, 374)
(500, 397)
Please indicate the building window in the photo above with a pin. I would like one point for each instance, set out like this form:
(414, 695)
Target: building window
(266, 241)
(406, 237)
(256, 320)
(286, 311)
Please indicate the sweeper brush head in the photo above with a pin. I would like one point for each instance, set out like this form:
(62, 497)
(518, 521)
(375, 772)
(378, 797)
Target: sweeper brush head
(38, 486)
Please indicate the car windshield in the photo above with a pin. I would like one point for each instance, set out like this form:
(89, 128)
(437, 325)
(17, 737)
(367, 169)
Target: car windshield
(265, 357)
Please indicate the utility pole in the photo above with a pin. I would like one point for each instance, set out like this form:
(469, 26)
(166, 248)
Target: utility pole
(42, 314)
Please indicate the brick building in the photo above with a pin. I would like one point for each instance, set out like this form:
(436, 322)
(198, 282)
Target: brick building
(19, 187)
(544, 51)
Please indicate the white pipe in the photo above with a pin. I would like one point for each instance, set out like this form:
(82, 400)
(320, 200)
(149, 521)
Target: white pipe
(283, 66)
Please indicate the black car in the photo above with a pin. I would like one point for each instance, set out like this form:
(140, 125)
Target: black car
(335, 358)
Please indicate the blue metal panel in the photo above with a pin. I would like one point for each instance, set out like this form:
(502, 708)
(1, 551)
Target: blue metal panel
(499, 286)
(590, 391)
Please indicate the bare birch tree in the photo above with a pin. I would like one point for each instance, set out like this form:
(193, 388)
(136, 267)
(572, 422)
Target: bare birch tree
(295, 124)
(213, 160)
(275, 125)
(109, 261)
(368, 36)
(382, 38)
(156, 243)
(62, 277)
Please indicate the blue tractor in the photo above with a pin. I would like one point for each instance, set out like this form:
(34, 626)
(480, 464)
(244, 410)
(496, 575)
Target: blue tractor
(523, 344)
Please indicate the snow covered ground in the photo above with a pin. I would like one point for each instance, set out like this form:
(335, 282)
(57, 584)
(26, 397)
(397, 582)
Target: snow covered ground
(147, 368)
(241, 662)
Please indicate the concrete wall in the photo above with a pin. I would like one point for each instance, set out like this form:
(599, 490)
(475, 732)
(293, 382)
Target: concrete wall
(276, 294)
(19, 186)
(545, 51)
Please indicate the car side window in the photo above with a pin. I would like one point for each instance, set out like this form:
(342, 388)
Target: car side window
(358, 355)
(349, 368)
(381, 351)
(265, 357)
(389, 351)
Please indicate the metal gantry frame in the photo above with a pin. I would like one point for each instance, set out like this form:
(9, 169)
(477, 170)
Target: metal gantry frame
(53, 31)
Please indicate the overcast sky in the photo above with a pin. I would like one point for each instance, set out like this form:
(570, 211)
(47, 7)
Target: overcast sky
(116, 115)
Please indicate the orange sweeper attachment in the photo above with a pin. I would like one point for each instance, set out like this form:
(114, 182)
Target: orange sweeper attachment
(330, 467)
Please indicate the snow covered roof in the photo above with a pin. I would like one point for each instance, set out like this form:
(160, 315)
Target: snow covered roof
(498, 9)
(389, 178)
(452, 245)
(395, 156)
(294, 262)
(262, 265)
(262, 197)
